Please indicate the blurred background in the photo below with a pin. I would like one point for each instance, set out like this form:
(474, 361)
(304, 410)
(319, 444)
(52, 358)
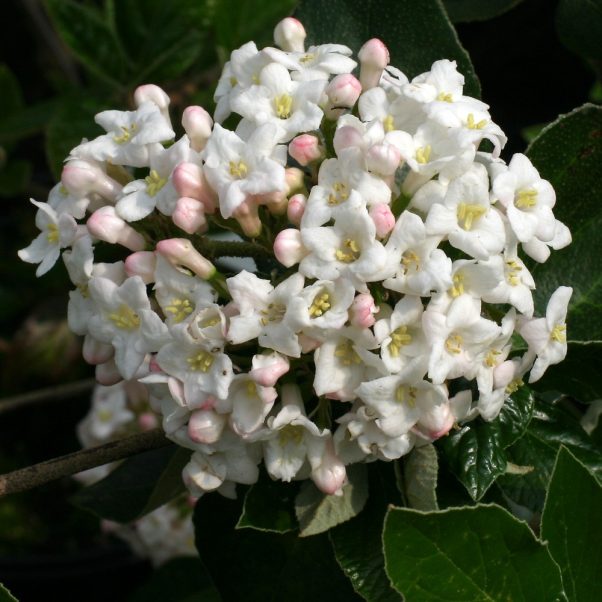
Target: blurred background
(63, 61)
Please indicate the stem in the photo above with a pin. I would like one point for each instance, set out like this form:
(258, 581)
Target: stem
(230, 248)
(57, 393)
(63, 466)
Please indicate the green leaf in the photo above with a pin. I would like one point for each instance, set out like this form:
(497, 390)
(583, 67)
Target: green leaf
(420, 468)
(571, 525)
(10, 99)
(358, 546)
(476, 554)
(568, 153)
(5, 595)
(179, 580)
(269, 506)
(14, 177)
(476, 453)
(137, 486)
(550, 427)
(318, 512)
(26, 121)
(416, 33)
(256, 566)
(579, 26)
(461, 11)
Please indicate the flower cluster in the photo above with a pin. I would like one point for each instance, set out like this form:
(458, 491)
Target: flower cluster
(383, 298)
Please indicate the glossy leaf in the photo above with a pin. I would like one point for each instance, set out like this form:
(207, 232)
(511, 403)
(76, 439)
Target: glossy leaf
(460, 11)
(269, 506)
(579, 25)
(5, 595)
(318, 512)
(476, 453)
(473, 554)
(416, 33)
(571, 526)
(137, 486)
(419, 479)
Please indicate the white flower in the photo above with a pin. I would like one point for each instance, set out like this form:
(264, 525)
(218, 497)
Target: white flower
(249, 404)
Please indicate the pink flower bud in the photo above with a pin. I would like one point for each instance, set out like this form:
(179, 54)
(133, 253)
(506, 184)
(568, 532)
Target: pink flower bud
(329, 474)
(436, 422)
(288, 247)
(248, 219)
(276, 202)
(106, 225)
(308, 343)
(206, 426)
(374, 57)
(347, 137)
(362, 310)
(268, 368)
(383, 159)
(296, 208)
(189, 215)
(189, 181)
(295, 180)
(95, 352)
(198, 125)
(180, 252)
(383, 219)
(305, 149)
(290, 35)
(81, 178)
(141, 264)
(147, 421)
(107, 374)
(154, 94)
(343, 92)
(504, 374)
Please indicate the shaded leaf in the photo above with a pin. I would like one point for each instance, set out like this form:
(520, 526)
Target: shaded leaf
(26, 121)
(318, 512)
(579, 26)
(10, 99)
(473, 554)
(5, 595)
(416, 33)
(461, 11)
(420, 469)
(137, 486)
(571, 526)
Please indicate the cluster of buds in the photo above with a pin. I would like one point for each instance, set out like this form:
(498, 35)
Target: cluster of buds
(383, 286)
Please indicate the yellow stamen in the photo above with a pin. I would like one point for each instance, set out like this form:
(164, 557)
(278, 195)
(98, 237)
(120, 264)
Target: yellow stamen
(526, 198)
(201, 362)
(514, 386)
(513, 275)
(104, 415)
(252, 389)
(83, 290)
(388, 123)
(238, 170)
(126, 134)
(154, 182)
(457, 288)
(125, 318)
(409, 259)
(179, 309)
(339, 194)
(454, 343)
(470, 123)
(53, 233)
(306, 58)
(349, 253)
(468, 214)
(423, 154)
(558, 333)
(321, 304)
(444, 97)
(406, 394)
(209, 322)
(347, 354)
(399, 338)
(274, 313)
(491, 358)
(290, 434)
(283, 105)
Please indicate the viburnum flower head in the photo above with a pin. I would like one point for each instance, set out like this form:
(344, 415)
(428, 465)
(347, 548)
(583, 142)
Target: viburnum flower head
(334, 275)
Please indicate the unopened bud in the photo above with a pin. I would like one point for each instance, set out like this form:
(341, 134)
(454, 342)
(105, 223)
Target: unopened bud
(189, 215)
(288, 247)
(290, 35)
(374, 57)
(81, 178)
(206, 426)
(346, 137)
(154, 94)
(107, 374)
(295, 180)
(296, 208)
(147, 421)
(362, 310)
(383, 219)
(106, 225)
(383, 159)
(436, 422)
(504, 374)
(198, 125)
(306, 149)
(95, 352)
(343, 92)
(181, 252)
(328, 473)
(248, 219)
(141, 264)
(189, 181)
(268, 368)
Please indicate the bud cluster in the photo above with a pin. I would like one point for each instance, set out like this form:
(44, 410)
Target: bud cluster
(383, 288)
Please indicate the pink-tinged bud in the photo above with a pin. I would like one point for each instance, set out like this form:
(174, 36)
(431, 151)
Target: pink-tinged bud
(189, 215)
(362, 310)
(95, 352)
(206, 426)
(328, 473)
(383, 159)
(343, 92)
(374, 57)
(383, 219)
(347, 137)
(436, 422)
(147, 421)
(106, 225)
(504, 374)
(198, 125)
(276, 202)
(295, 180)
(153, 365)
(268, 368)
(189, 181)
(248, 219)
(154, 94)
(308, 344)
(107, 374)
(288, 247)
(296, 208)
(290, 35)
(141, 264)
(305, 149)
(181, 252)
(81, 178)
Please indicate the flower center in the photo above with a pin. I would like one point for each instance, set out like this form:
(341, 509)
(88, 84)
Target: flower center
(454, 343)
(409, 259)
(457, 288)
(423, 154)
(179, 309)
(238, 170)
(526, 199)
(201, 362)
(349, 252)
(491, 358)
(126, 134)
(558, 333)
(405, 394)
(399, 338)
(339, 194)
(53, 233)
(444, 97)
(104, 415)
(514, 386)
(252, 390)
(307, 58)
(469, 214)
(283, 105)
(321, 304)
(388, 123)
(125, 318)
(513, 273)
(472, 125)
(291, 433)
(154, 182)
(273, 313)
(347, 354)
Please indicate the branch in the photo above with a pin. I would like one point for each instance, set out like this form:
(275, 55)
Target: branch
(63, 466)
(214, 249)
